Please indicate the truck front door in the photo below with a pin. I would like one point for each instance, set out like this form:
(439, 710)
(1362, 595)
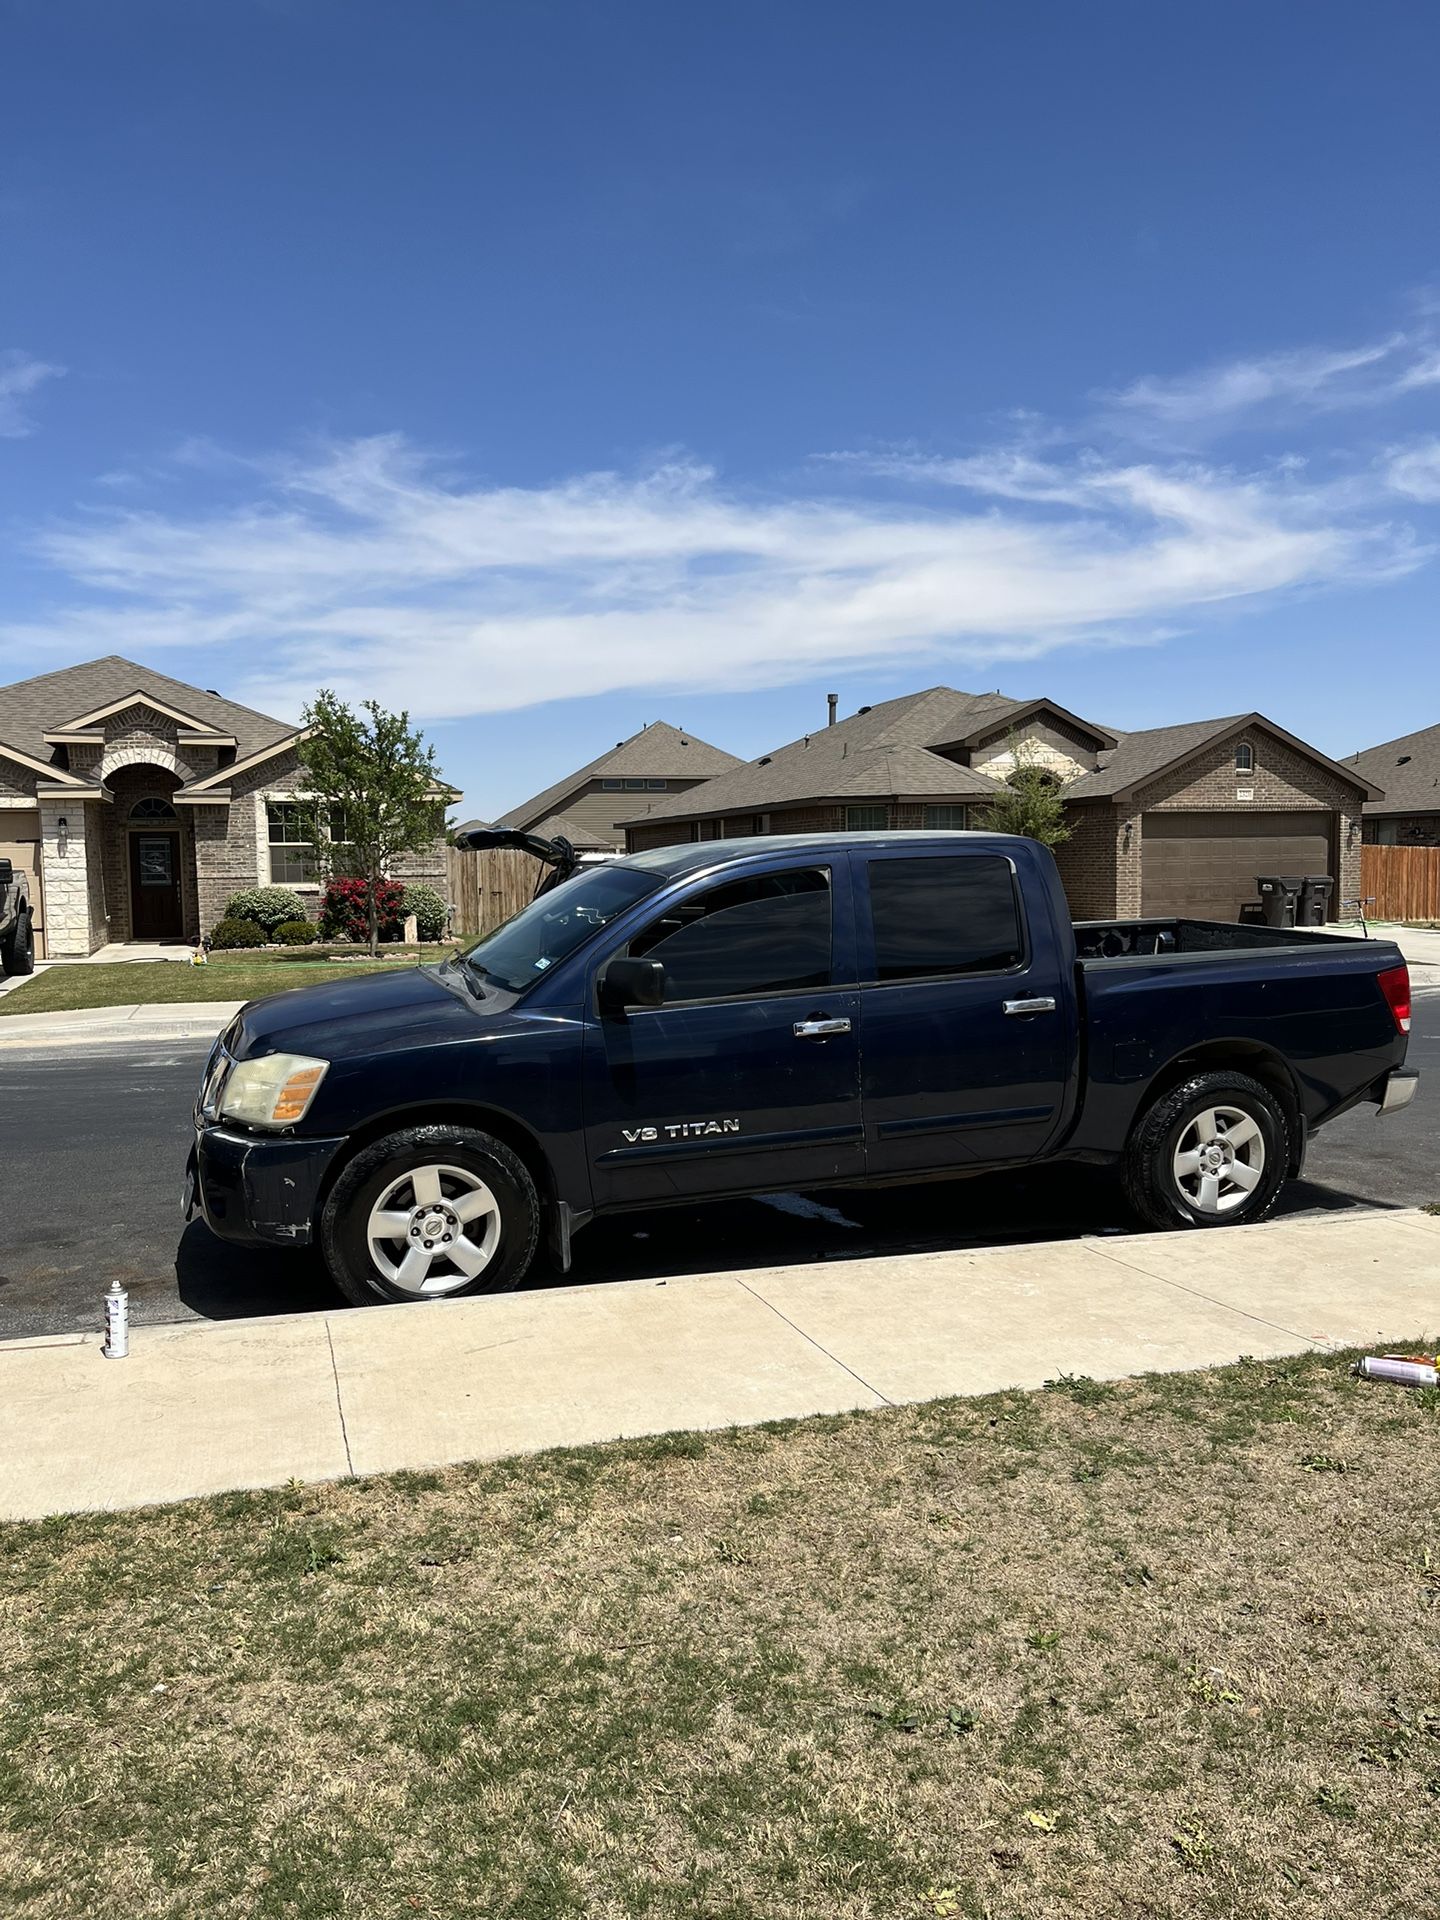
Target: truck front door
(747, 1076)
(968, 1015)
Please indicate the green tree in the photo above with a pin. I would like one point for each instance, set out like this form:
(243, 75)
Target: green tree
(373, 789)
(1031, 802)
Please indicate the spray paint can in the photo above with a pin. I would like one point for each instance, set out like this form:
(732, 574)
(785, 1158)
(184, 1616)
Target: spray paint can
(117, 1322)
(1400, 1373)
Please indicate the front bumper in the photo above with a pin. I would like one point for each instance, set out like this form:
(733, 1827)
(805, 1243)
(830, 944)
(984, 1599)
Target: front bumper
(259, 1190)
(1398, 1089)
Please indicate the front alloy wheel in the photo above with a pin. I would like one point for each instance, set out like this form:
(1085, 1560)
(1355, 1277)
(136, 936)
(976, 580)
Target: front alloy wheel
(429, 1213)
(433, 1231)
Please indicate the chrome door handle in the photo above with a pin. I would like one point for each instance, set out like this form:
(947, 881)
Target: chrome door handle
(1043, 1003)
(819, 1029)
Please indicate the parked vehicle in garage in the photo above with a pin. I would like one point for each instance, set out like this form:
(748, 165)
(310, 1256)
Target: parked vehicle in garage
(729, 1017)
(17, 937)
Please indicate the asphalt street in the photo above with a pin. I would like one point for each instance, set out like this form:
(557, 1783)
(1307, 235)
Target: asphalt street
(93, 1145)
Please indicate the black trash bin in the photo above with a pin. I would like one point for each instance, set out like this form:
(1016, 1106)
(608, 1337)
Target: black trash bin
(1315, 895)
(1278, 893)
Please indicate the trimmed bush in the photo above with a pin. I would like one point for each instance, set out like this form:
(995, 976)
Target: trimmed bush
(429, 911)
(297, 933)
(237, 933)
(345, 912)
(266, 906)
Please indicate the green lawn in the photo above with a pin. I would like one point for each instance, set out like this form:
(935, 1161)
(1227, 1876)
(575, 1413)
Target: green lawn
(1161, 1649)
(228, 976)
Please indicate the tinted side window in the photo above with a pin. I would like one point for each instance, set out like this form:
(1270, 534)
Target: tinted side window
(944, 916)
(759, 935)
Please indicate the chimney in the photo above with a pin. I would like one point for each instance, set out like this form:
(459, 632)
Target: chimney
(832, 700)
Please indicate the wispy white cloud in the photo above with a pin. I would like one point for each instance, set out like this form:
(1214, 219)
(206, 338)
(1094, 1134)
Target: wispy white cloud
(370, 568)
(1414, 471)
(1277, 385)
(20, 375)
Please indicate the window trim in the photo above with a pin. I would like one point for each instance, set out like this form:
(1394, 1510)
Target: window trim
(881, 808)
(837, 875)
(313, 885)
(865, 923)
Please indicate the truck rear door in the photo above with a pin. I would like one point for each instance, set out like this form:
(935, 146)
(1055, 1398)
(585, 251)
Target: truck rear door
(967, 1012)
(748, 1075)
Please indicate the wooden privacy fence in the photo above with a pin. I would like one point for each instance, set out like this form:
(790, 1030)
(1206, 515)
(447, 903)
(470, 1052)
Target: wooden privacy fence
(488, 884)
(1404, 882)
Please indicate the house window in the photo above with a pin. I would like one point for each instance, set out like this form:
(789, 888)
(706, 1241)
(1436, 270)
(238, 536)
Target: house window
(1244, 757)
(867, 819)
(292, 851)
(712, 830)
(656, 786)
(612, 786)
(945, 819)
(634, 786)
(152, 808)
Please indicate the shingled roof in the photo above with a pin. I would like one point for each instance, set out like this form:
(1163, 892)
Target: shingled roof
(879, 752)
(1407, 769)
(658, 752)
(1139, 758)
(29, 709)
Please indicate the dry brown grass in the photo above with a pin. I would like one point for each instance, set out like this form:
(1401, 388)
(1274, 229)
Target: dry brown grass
(1162, 1649)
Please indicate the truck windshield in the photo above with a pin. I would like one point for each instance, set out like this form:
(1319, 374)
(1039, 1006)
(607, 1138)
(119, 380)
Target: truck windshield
(514, 955)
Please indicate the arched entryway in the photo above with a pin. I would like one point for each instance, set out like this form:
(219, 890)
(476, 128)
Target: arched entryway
(149, 857)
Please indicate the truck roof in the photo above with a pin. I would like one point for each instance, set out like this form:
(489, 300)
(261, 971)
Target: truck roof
(705, 853)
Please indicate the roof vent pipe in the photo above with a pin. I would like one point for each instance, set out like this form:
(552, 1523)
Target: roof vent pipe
(832, 700)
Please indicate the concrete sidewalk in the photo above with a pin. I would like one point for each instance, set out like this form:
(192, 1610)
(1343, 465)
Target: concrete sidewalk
(198, 1409)
(181, 1020)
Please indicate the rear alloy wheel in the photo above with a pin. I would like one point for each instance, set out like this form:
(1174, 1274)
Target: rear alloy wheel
(430, 1213)
(1210, 1153)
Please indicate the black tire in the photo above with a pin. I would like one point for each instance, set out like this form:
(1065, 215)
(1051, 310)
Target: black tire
(460, 1154)
(1155, 1186)
(17, 954)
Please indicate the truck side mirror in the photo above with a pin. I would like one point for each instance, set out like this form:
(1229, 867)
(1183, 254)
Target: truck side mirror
(632, 983)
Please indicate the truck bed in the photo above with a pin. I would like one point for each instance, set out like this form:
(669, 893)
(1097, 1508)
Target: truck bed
(1127, 939)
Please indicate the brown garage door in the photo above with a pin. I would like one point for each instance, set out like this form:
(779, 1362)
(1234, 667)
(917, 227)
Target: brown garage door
(1204, 864)
(20, 843)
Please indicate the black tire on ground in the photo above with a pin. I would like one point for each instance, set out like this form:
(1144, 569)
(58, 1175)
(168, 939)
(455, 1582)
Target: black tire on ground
(1168, 1192)
(17, 953)
(464, 1153)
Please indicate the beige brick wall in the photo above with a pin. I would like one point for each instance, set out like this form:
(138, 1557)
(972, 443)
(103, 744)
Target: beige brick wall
(1049, 744)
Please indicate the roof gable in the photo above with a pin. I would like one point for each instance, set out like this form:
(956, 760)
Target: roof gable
(657, 751)
(1142, 758)
(73, 696)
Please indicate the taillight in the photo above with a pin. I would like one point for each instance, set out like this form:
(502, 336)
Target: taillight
(1395, 985)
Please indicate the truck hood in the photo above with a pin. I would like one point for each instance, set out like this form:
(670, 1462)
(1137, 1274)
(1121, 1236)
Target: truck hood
(374, 1013)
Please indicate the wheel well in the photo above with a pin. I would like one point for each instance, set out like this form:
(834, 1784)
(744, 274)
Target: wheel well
(453, 1113)
(1245, 1056)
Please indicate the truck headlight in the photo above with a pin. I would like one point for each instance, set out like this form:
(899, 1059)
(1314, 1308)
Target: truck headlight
(275, 1091)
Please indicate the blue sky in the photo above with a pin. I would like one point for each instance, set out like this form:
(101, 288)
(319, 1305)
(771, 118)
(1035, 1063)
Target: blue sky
(548, 368)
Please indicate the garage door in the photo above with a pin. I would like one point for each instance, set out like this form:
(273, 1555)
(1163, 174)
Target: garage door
(1204, 864)
(20, 843)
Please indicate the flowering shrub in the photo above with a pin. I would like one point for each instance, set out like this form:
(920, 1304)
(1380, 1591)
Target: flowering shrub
(345, 913)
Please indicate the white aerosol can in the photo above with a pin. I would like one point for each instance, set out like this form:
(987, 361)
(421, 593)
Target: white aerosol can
(117, 1322)
(1400, 1373)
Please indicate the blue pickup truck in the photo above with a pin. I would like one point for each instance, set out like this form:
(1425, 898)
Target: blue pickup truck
(748, 1015)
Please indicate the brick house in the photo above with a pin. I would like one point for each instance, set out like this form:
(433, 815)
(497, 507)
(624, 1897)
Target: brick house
(139, 804)
(588, 805)
(1408, 812)
(1170, 820)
